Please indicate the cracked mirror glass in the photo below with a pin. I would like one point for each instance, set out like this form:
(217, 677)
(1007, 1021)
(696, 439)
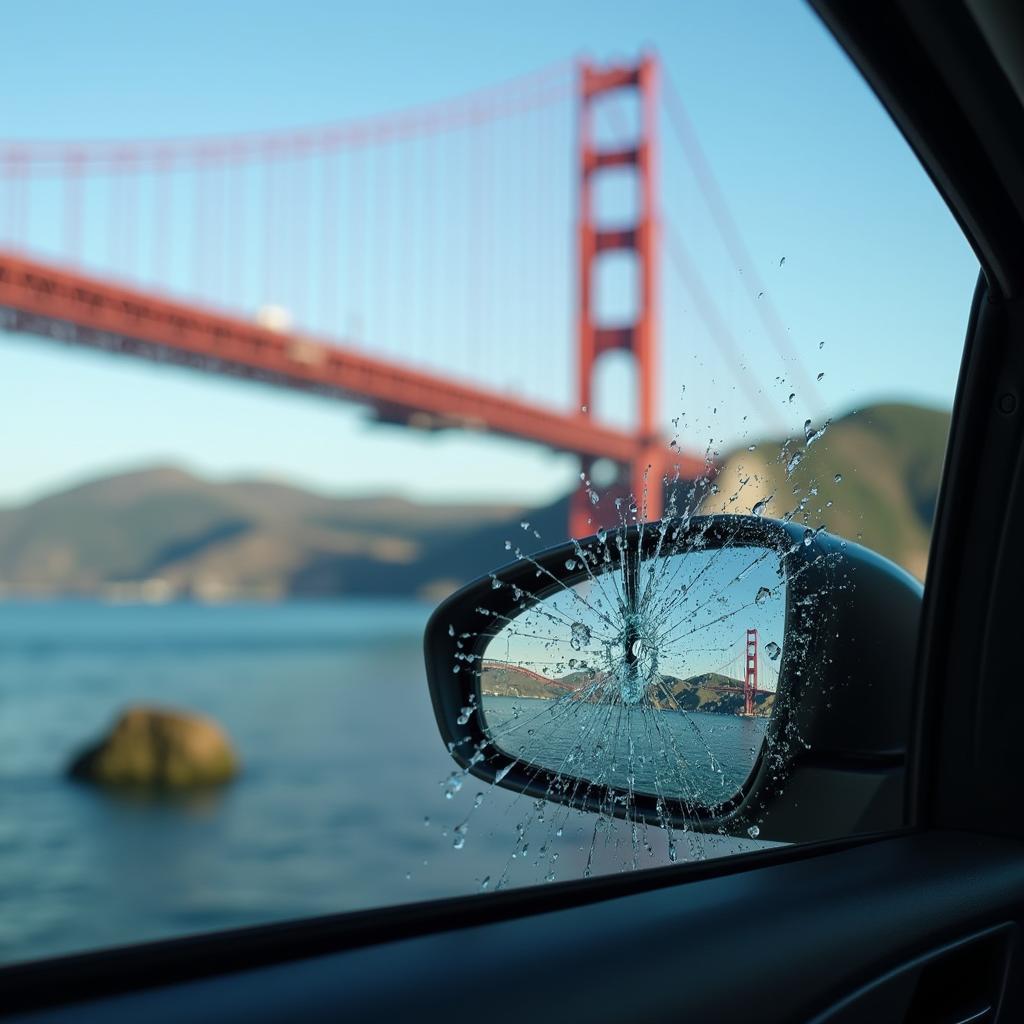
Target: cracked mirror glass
(655, 677)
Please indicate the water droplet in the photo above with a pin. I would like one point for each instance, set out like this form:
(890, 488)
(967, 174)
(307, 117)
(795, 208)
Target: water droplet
(762, 595)
(495, 583)
(838, 478)
(452, 785)
(782, 262)
(760, 295)
(751, 447)
(570, 564)
(808, 537)
(451, 630)
(508, 545)
(753, 831)
(821, 375)
(580, 636)
(773, 650)
(795, 459)
(760, 506)
(792, 395)
(821, 344)
(485, 883)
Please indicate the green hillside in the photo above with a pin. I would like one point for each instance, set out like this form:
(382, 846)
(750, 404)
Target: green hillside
(188, 536)
(163, 532)
(703, 693)
(889, 458)
(512, 681)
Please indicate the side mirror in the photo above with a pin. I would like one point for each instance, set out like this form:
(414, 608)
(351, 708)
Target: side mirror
(722, 673)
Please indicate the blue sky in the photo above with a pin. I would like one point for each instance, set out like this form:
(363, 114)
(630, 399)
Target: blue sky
(875, 270)
(697, 636)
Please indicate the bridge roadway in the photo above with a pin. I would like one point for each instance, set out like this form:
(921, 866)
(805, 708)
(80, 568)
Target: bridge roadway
(71, 307)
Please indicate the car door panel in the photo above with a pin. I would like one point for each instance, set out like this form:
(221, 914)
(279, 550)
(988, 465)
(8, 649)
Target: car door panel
(780, 943)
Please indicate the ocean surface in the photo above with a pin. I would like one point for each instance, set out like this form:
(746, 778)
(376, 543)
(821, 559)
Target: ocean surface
(696, 759)
(345, 801)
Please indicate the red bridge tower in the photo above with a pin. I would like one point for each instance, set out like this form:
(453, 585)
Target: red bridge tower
(640, 336)
(750, 674)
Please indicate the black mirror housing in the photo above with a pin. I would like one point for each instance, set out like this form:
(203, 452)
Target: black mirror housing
(835, 742)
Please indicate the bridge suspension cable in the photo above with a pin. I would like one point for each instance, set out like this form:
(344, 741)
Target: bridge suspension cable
(685, 269)
(414, 261)
(754, 287)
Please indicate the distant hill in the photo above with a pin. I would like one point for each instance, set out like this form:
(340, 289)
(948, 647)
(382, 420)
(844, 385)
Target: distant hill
(500, 680)
(703, 693)
(164, 532)
(698, 693)
(889, 458)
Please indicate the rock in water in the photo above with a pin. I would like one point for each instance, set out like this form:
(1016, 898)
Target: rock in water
(157, 748)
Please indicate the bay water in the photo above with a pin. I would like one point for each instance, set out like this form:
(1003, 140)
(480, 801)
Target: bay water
(342, 802)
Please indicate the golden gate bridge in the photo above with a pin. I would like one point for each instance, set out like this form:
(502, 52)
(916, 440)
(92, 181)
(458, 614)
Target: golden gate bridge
(741, 672)
(427, 234)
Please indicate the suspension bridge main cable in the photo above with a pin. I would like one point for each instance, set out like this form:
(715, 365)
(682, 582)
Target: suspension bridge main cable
(686, 135)
(689, 276)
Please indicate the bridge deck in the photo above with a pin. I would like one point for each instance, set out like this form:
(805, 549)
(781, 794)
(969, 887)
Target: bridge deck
(72, 307)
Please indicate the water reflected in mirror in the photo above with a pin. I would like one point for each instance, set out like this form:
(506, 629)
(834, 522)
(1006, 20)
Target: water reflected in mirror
(655, 678)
